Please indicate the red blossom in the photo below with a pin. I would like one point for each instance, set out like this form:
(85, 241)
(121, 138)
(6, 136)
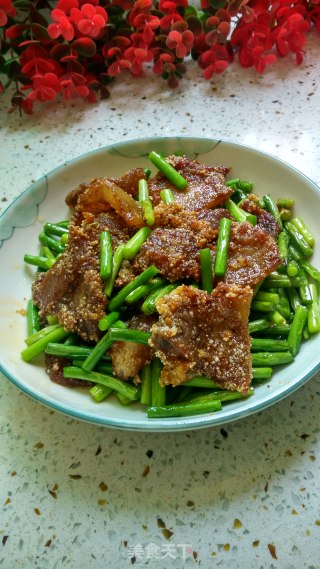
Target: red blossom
(6, 9)
(213, 61)
(117, 66)
(74, 85)
(67, 5)
(290, 36)
(90, 20)
(137, 56)
(88, 42)
(167, 21)
(164, 63)
(169, 6)
(44, 87)
(180, 43)
(61, 27)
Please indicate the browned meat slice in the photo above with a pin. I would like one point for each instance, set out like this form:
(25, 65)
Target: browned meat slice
(173, 251)
(128, 358)
(253, 254)
(206, 184)
(128, 182)
(101, 195)
(54, 369)
(265, 219)
(72, 289)
(202, 334)
(214, 216)
(73, 196)
(125, 275)
(175, 216)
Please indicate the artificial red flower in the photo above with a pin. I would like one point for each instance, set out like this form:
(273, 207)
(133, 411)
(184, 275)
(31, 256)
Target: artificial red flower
(167, 21)
(164, 63)
(181, 43)
(6, 9)
(169, 6)
(44, 87)
(137, 56)
(117, 66)
(67, 5)
(213, 61)
(290, 36)
(74, 85)
(62, 25)
(90, 20)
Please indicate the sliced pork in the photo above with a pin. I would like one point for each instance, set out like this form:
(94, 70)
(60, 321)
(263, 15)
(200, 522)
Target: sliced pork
(128, 358)
(206, 184)
(205, 334)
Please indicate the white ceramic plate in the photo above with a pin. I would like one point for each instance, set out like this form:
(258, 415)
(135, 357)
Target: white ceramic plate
(44, 201)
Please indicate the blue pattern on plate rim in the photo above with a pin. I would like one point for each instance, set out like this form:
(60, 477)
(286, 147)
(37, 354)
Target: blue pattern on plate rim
(24, 210)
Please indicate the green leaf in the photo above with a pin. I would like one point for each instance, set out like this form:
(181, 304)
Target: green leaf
(23, 4)
(85, 46)
(217, 4)
(40, 32)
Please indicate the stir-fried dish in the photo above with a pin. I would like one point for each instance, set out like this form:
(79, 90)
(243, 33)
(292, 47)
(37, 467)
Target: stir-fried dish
(181, 290)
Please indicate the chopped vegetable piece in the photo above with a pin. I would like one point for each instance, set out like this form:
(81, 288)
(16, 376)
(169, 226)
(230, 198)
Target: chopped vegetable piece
(133, 246)
(145, 202)
(158, 392)
(41, 333)
(269, 345)
(129, 335)
(296, 329)
(143, 290)
(100, 349)
(239, 214)
(146, 385)
(292, 269)
(259, 373)
(221, 395)
(39, 347)
(222, 248)
(258, 325)
(51, 242)
(117, 260)
(127, 389)
(55, 229)
(271, 359)
(285, 202)
(38, 261)
(264, 296)
(272, 208)
(206, 270)
(304, 230)
(117, 301)
(183, 409)
(262, 306)
(167, 196)
(283, 242)
(314, 311)
(201, 381)
(106, 322)
(70, 351)
(106, 261)
(100, 392)
(149, 305)
(33, 320)
(168, 171)
(298, 239)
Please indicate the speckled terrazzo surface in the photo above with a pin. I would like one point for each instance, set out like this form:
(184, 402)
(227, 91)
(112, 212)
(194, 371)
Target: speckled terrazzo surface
(244, 496)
